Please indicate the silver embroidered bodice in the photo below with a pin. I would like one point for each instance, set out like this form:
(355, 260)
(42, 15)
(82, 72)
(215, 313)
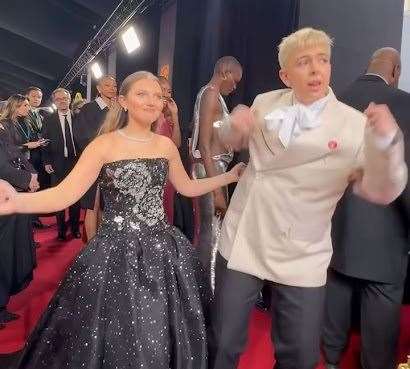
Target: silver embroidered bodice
(132, 191)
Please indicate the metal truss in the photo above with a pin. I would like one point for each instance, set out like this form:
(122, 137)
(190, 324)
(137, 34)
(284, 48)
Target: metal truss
(107, 33)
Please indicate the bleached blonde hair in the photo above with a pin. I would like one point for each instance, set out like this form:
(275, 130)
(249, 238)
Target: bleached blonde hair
(303, 38)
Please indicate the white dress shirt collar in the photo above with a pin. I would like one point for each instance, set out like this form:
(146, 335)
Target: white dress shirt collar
(62, 115)
(377, 75)
(101, 103)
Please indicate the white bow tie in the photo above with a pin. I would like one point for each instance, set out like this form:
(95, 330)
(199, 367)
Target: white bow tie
(290, 121)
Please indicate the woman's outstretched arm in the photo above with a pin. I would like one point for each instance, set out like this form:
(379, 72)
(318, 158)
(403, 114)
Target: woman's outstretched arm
(69, 191)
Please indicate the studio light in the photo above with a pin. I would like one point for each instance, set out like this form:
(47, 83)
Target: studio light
(111, 29)
(96, 69)
(131, 40)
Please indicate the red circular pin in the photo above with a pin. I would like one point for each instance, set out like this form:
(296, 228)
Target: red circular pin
(332, 145)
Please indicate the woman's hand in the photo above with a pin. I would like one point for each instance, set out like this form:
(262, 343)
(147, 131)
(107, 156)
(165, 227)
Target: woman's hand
(33, 144)
(237, 171)
(34, 185)
(172, 106)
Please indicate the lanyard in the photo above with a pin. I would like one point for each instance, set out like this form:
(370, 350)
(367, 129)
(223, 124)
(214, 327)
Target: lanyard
(25, 133)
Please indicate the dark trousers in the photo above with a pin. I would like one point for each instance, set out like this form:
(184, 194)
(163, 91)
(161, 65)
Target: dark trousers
(379, 319)
(17, 258)
(296, 319)
(74, 219)
(60, 172)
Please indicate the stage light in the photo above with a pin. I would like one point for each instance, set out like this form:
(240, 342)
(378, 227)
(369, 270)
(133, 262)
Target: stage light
(96, 69)
(131, 40)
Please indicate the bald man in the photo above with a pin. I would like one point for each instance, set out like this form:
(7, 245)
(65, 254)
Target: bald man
(370, 241)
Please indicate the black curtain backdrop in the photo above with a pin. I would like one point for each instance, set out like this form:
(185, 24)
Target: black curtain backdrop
(251, 31)
(208, 29)
(248, 30)
(358, 29)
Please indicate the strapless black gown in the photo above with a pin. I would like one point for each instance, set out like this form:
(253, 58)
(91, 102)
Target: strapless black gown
(135, 296)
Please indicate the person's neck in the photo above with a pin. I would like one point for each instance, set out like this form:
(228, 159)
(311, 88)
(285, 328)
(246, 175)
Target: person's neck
(137, 130)
(64, 112)
(215, 82)
(308, 101)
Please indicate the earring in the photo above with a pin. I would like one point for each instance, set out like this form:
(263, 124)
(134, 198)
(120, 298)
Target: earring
(125, 109)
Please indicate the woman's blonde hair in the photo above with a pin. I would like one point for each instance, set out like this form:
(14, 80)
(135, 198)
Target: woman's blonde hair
(117, 117)
(9, 112)
(305, 37)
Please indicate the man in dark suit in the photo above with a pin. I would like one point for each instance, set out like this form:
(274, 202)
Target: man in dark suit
(60, 155)
(370, 242)
(92, 114)
(89, 121)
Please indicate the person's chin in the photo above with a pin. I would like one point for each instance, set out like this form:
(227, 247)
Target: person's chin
(152, 116)
(317, 94)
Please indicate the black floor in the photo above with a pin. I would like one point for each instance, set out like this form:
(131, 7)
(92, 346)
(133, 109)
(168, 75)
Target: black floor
(8, 361)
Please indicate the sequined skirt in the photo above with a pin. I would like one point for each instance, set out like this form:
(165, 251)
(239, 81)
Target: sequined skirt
(130, 300)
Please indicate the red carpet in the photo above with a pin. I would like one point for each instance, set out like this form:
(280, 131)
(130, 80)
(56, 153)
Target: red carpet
(53, 260)
(259, 352)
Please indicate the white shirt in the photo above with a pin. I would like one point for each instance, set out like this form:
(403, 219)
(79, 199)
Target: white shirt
(62, 123)
(101, 103)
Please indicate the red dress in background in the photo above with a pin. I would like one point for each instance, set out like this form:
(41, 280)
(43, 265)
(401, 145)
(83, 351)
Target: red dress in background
(165, 127)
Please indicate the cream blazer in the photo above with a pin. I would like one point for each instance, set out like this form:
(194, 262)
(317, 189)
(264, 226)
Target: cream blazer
(278, 223)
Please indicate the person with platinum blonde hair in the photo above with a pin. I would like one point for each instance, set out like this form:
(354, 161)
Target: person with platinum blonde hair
(305, 148)
(306, 37)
